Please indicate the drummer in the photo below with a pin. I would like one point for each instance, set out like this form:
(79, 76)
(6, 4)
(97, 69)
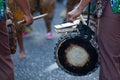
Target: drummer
(39, 5)
(45, 6)
(48, 6)
(108, 36)
(70, 4)
(17, 16)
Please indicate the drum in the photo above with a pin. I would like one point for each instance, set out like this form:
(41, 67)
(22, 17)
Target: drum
(77, 53)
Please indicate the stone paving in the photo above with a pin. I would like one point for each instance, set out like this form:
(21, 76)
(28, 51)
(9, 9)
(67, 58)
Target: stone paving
(40, 63)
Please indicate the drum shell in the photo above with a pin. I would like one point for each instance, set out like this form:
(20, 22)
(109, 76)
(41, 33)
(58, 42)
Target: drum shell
(60, 55)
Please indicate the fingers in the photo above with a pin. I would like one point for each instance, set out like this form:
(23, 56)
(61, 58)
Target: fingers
(10, 15)
(70, 18)
(72, 15)
(28, 20)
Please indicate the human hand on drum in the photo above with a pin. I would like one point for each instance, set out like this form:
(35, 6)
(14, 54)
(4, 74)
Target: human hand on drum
(72, 15)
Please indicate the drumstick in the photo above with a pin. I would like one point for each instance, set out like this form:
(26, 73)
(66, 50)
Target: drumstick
(34, 18)
(80, 18)
(83, 20)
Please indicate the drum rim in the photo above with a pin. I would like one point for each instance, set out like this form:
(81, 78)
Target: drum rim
(63, 38)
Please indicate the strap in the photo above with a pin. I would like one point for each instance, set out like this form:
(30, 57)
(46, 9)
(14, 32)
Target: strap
(89, 7)
(101, 4)
(5, 8)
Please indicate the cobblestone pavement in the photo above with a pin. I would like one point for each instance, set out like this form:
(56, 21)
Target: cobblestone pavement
(40, 63)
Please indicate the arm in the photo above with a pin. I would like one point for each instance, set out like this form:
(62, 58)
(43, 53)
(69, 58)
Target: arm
(24, 5)
(71, 16)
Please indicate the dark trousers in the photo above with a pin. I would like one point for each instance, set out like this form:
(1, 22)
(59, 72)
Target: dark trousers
(109, 43)
(6, 65)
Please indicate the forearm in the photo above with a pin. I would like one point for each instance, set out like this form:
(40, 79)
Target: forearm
(24, 5)
(82, 4)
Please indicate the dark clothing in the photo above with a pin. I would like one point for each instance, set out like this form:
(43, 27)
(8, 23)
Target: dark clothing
(109, 43)
(71, 4)
(6, 65)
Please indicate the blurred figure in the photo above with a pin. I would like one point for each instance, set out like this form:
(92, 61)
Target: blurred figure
(6, 64)
(71, 4)
(45, 6)
(20, 29)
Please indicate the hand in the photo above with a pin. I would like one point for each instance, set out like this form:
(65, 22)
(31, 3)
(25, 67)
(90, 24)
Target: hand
(72, 15)
(28, 20)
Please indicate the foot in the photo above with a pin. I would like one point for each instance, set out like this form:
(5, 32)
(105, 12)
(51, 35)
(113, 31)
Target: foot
(49, 35)
(22, 55)
(24, 34)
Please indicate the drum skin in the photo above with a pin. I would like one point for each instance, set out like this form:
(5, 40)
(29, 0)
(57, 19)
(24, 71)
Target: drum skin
(75, 55)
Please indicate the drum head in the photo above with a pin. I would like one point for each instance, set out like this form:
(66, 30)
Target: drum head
(76, 55)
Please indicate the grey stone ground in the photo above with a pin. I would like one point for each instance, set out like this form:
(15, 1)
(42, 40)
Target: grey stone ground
(40, 63)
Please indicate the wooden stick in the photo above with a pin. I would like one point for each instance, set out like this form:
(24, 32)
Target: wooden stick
(34, 18)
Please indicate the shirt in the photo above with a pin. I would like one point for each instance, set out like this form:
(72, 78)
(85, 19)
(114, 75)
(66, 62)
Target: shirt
(115, 5)
(1, 9)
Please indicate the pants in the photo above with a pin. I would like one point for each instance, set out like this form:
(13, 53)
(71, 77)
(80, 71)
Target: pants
(6, 65)
(109, 43)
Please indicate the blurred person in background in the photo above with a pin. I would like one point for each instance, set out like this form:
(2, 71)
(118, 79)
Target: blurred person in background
(48, 6)
(6, 64)
(21, 30)
(45, 6)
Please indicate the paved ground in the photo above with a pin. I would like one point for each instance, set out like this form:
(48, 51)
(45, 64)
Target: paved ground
(40, 63)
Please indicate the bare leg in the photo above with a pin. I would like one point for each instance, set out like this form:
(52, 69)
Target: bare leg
(21, 46)
(48, 22)
(48, 19)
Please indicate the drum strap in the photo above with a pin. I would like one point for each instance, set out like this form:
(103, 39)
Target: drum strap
(10, 29)
(85, 30)
(88, 19)
(89, 6)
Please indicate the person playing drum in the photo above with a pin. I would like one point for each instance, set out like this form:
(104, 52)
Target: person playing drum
(21, 30)
(45, 6)
(48, 6)
(108, 37)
